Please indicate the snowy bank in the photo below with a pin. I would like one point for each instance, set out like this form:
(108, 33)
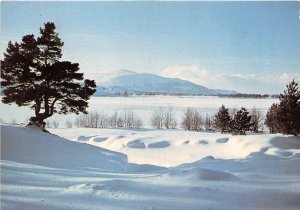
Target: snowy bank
(42, 171)
(33, 146)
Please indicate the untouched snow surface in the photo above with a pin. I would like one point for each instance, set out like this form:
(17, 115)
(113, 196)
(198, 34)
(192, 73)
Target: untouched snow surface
(205, 170)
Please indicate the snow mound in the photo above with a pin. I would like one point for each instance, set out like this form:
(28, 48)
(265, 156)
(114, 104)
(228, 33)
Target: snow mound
(261, 156)
(33, 146)
(136, 144)
(82, 138)
(198, 174)
(222, 140)
(203, 142)
(157, 147)
(296, 156)
(209, 157)
(160, 144)
(286, 142)
(99, 139)
(186, 142)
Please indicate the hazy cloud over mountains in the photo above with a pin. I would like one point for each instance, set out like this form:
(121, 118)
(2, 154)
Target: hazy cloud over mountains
(244, 83)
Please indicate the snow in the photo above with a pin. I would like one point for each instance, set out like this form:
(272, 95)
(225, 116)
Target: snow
(173, 169)
(120, 81)
(32, 146)
(145, 83)
(157, 147)
(144, 106)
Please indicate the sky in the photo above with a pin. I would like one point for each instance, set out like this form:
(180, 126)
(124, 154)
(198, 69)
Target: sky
(250, 47)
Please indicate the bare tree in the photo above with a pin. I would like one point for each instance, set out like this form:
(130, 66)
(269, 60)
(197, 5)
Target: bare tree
(138, 123)
(169, 120)
(208, 122)
(81, 120)
(129, 118)
(120, 122)
(158, 118)
(192, 120)
(103, 120)
(256, 120)
(197, 121)
(113, 120)
(188, 119)
(93, 119)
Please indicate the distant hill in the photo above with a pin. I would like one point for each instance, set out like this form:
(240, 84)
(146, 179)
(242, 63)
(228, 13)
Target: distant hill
(125, 82)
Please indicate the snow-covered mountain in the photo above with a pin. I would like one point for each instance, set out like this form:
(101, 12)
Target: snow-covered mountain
(129, 82)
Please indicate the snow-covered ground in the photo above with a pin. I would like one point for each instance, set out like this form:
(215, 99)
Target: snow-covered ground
(147, 169)
(144, 106)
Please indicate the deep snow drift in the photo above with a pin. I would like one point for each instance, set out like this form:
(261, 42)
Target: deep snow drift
(209, 170)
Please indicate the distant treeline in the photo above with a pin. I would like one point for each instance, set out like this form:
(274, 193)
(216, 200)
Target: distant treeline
(238, 95)
(243, 95)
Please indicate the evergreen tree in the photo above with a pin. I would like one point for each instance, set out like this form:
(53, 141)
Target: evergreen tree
(241, 122)
(289, 110)
(33, 75)
(222, 120)
(271, 120)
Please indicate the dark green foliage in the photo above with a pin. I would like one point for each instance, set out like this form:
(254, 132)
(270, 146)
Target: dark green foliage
(241, 122)
(32, 75)
(285, 116)
(271, 120)
(222, 120)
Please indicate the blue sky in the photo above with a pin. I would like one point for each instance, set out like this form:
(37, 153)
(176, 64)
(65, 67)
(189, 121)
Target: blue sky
(246, 46)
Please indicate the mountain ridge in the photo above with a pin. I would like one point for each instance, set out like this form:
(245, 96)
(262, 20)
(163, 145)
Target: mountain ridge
(126, 82)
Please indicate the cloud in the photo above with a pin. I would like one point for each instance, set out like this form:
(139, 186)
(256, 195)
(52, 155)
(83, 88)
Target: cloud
(193, 73)
(242, 82)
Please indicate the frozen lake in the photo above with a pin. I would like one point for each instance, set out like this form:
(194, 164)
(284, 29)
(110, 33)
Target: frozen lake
(143, 106)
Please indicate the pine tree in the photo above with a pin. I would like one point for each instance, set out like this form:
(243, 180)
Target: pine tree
(241, 122)
(33, 75)
(222, 120)
(289, 110)
(256, 120)
(271, 120)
